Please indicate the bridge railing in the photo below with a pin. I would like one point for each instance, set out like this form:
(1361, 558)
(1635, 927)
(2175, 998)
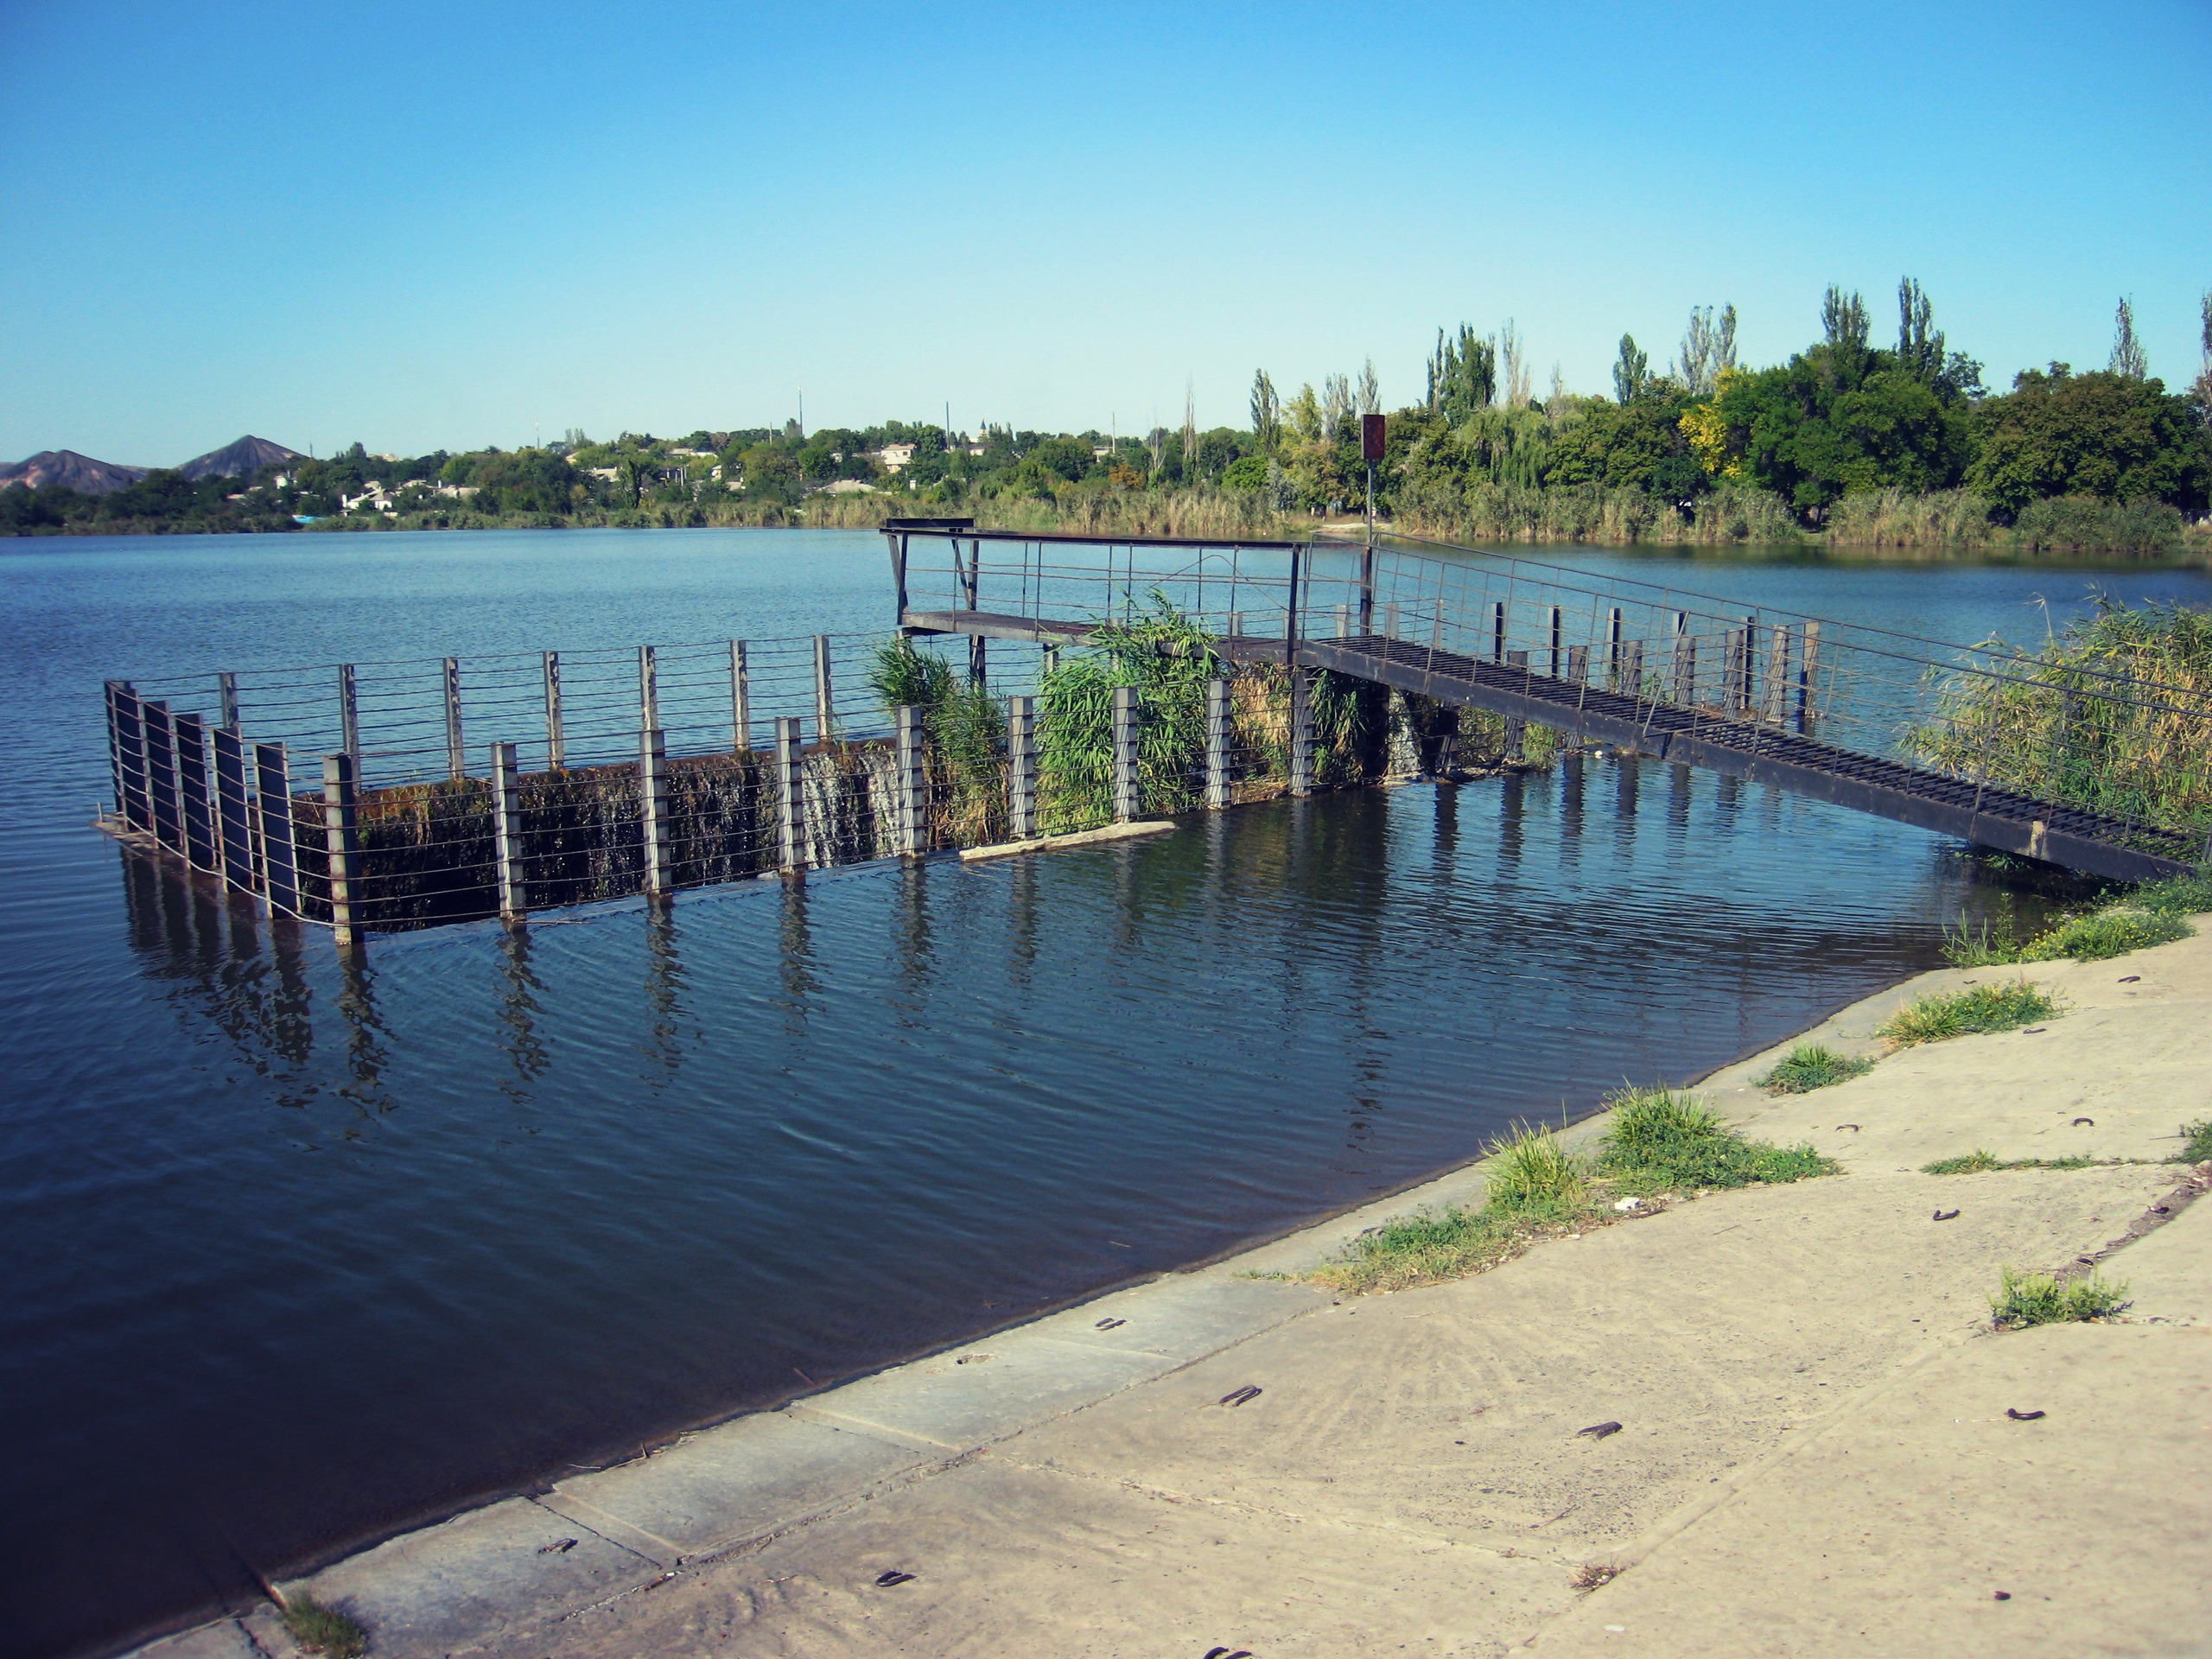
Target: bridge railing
(2110, 737)
(2105, 735)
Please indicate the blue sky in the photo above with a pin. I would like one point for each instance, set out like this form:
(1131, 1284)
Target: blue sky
(428, 226)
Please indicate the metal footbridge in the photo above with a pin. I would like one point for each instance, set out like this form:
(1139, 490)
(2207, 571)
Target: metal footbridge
(2094, 768)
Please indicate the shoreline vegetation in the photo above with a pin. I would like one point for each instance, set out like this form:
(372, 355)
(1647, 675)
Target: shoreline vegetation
(1847, 444)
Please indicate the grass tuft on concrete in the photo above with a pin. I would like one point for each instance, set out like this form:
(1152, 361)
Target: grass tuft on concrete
(1975, 1162)
(2025, 1300)
(2196, 1143)
(1659, 1141)
(2151, 914)
(1811, 1065)
(322, 1629)
(1940, 1015)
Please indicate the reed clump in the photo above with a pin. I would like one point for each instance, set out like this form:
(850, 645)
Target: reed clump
(2113, 713)
(2153, 913)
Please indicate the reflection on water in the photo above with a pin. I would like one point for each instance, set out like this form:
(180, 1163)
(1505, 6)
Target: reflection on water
(398, 1231)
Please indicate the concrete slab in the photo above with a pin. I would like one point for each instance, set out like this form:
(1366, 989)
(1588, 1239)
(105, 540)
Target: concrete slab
(741, 1480)
(510, 1565)
(1182, 1317)
(1713, 1332)
(224, 1639)
(2127, 1055)
(954, 1403)
(2169, 1273)
(1898, 1532)
(1028, 1561)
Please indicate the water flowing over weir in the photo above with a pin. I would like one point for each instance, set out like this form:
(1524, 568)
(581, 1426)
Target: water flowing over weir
(1965, 741)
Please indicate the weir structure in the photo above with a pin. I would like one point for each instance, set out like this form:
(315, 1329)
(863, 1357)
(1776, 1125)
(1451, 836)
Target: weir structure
(398, 795)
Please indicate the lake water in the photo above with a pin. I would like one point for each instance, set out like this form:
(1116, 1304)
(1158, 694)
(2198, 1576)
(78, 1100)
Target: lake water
(299, 1255)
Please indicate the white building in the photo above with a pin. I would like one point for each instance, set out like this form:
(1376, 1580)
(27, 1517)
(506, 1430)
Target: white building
(895, 455)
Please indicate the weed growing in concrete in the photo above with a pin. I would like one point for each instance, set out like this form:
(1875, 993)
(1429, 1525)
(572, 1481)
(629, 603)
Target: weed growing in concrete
(2196, 1143)
(1977, 1161)
(1979, 1008)
(2177, 895)
(1594, 1575)
(323, 1630)
(2106, 933)
(1812, 1066)
(1660, 1140)
(2024, 1299)
(1530, 1168)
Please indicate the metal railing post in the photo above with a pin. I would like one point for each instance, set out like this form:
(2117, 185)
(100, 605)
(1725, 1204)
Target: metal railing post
(340, 823)
(653, 811)
(1556, 641)
(161, 776)
(1021, 767)
(1125, 753)
(648, 689)
(226, 688)
(1632, 669)
(1367, 589)
(1808, 668)
(740, 698)
(456, 758)
(115, 742)
(1517, 726)
(234, 828)
(907, 781)
(1777, 673)
(506, 833)
(825, 713)
(349, 712)
(1217, 729)
(1498, 633)
(196, 821)
(1301, 735)
(280, 864)
(555, 740)
(1613, 649)
(790, 794)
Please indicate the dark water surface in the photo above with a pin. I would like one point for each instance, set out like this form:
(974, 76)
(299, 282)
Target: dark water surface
(297, 1253)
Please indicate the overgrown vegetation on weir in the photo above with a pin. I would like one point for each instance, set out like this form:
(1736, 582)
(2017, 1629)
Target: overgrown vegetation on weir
(1168, 659)
(1812, 1065)
(1978, 1009)
(2109, 715)
(1660, 1141)
(2031, 1299)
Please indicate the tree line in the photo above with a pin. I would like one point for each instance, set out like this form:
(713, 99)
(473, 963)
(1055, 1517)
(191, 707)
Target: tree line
(1842, 421)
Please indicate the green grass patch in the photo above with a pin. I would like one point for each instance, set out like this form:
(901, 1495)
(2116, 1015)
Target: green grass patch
(2151, 914)
(2025, 1300)
(1658, 1141)
(1979, 1008)
(1974, 1162)
(1810, 1066)
(323, 1630)
(2196, 1143)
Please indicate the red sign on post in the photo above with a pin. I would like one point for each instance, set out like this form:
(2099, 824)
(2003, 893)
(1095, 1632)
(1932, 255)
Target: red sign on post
(1370, 437)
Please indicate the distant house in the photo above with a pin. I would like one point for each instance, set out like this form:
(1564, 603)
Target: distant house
(610, 474)
(893, 456)
(457, 492)
(373, 496)
(848, 486)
